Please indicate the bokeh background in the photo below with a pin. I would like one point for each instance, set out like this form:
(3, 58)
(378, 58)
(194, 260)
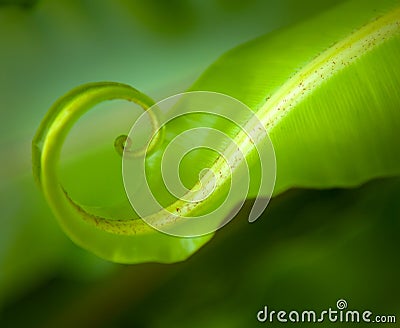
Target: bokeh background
(311, 248)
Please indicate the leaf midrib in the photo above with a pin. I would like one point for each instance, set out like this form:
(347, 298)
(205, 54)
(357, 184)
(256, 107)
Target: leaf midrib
(327, 64)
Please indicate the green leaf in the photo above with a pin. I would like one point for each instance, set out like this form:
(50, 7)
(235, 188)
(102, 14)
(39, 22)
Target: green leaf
(326, 91)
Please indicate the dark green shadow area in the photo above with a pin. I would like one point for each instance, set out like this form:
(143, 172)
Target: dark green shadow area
(310, 249)
(25, 4)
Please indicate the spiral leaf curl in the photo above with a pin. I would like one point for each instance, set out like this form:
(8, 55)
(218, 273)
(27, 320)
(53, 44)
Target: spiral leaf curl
(49, 139)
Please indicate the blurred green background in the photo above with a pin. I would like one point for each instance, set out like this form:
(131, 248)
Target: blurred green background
(310, 249)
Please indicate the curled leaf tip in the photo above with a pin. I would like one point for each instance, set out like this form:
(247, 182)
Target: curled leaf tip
(122, 143)
(49, 139)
